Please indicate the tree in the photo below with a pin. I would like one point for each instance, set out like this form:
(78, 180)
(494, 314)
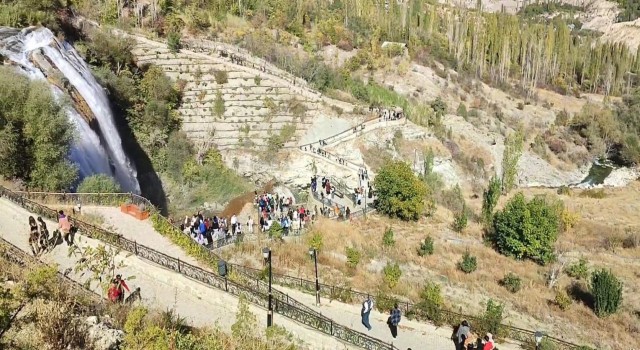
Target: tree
(99, 183)
(490, 198)
(513, 146)
(99, 262)
(526, 230)
(607, 292)
(400, 193)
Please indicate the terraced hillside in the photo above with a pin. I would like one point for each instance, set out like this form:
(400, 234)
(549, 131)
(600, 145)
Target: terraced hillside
(235, 105)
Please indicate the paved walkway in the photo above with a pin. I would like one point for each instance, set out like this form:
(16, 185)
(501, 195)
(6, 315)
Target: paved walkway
(199, 304)
(414, 335)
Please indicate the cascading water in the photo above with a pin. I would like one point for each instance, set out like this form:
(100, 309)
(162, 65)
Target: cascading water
(92, 153)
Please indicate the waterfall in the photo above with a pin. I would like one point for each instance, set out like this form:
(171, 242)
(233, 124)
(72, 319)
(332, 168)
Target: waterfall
(95, 151)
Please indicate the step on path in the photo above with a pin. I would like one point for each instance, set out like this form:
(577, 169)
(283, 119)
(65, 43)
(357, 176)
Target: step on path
(200, 305)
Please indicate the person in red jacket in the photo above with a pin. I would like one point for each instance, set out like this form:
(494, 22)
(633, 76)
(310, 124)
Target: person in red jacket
(488, 342)
(114, 292)
(121, 285)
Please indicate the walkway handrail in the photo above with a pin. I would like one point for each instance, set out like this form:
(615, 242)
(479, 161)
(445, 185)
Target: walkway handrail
(308, 317)
(326, 290)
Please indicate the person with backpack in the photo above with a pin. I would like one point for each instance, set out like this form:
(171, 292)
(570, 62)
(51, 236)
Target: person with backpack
(367, 306)
(44, 234)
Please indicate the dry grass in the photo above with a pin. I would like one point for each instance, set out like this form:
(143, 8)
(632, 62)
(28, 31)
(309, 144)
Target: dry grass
(530, 308)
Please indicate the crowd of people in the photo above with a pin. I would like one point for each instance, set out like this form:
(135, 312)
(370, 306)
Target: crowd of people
(278, 208)
(39, 237)
(206, 230)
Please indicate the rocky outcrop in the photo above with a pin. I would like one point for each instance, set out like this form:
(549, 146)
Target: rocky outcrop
(102, 335)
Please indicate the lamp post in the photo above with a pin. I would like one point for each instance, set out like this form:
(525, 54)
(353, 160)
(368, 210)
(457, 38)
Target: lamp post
(538, 338)
(313, 253)
(266, 254)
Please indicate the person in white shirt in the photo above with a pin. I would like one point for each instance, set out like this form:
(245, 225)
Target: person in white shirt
(234, 224)
(250, 225)
(367, 306)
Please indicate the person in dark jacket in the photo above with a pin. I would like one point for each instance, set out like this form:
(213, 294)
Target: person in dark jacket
(394, 320)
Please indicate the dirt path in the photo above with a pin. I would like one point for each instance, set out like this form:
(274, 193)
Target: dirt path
(414, 335)
(199, 304)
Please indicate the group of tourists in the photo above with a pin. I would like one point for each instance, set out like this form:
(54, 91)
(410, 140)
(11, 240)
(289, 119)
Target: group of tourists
(275, 207)
(464, 339)
(207, 230)
(39, 241)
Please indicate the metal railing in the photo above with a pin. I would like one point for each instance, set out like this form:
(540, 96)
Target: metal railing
(283, 304)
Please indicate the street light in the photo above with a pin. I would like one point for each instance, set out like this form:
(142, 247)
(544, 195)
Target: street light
(266, 254)
(538, 337)
(313, 253)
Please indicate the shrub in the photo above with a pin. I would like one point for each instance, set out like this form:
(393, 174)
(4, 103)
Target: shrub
(562, 300)
(491, 320)
(218, 106)
(490, 198)
(257, 80)
(387, 238)
(632, 240)
(353, 257)
(520, 106)
(462, 110)
(578, 270)
(431, 303)
(316, 241)
(173, 42)
(460, 220)
(513, 146)
(384, 302)
(99, 183)
(391, 274)
(607, 292)
(526, 230)
(401, 193)
(426, 247)
(468, 264)
(276, 230)
(439, 107)
(221, 76)
(593, 193)
(511, 282)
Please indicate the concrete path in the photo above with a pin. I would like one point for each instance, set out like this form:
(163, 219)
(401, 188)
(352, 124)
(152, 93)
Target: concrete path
(199, 304)
(412, 334)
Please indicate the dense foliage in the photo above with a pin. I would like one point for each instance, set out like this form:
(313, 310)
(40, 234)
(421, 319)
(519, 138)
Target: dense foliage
(496, 47)
(527, 229)
(99, 183)
(400, 192)
(607, 292)
(35, 134)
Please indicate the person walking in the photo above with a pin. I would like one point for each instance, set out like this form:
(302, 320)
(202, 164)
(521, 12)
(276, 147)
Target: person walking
(122, 286)
(394, 320)
(250, 224)
(367, 306)
(462, 335)
(64, 226)
(44, 234)
(34, 236)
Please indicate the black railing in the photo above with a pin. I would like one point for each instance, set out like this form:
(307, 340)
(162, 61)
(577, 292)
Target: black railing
(283, 304)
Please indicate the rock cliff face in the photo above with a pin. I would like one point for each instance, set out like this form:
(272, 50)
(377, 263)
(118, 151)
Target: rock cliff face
(102, 335)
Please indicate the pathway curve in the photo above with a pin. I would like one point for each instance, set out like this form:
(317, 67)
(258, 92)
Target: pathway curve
(199, 304)
(412, 334)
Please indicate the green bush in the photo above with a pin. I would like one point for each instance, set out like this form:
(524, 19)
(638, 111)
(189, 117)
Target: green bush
(387, 238)
(384, 302)
(460, 220)
(468, 264)
(511, 282)
(401, 193)
(562, 300)
(316, 241)
(491, 320)
(391, 274)
(527, 230)
(426, 247)
(490, 199)
(353, 257)
(578, 270)
(462, 110)
(607, 292)
(221, 76)
(218, 105)
(431, 303)
(276, 230)
(99, 183)
(173, 42)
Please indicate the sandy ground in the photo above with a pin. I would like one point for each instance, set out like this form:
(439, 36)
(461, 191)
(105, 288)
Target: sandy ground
(199, 304)
(411, 334)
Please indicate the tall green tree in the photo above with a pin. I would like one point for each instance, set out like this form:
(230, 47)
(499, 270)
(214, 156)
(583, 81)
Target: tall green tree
(513, 146)
(99, 183)
(527, 229)
(607, 292)
(401, 193)
(490, 198)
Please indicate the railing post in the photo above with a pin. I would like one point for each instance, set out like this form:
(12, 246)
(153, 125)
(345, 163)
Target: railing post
(135, 247)
(179, 266)
(331, 329)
